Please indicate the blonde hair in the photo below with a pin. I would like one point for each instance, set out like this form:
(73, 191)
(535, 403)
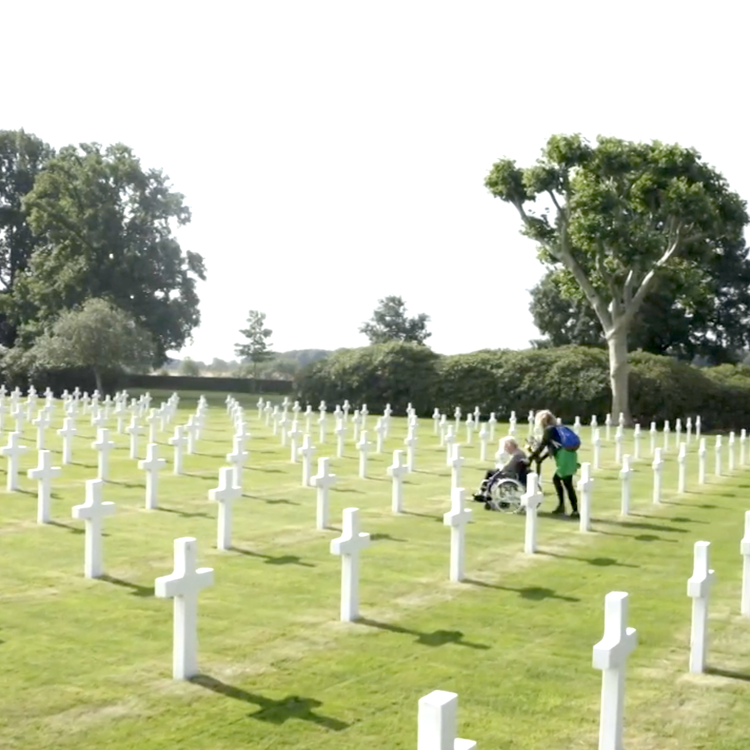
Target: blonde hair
(509, 444)
(545, 418)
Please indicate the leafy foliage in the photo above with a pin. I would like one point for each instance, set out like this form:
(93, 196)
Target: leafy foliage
(97, 335)
(104, 229)
(22, 158)
(390, 323)
(255, 348)
(617, 216)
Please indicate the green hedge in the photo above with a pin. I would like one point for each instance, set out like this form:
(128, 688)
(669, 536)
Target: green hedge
(571, 381)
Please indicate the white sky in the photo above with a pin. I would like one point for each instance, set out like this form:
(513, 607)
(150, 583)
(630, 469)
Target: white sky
(333, 153)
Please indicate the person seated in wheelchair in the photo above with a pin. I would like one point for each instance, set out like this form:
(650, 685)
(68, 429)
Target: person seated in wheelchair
(516, 468)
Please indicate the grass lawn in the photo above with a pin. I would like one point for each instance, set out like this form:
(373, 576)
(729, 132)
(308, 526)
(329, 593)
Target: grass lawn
(87, 664)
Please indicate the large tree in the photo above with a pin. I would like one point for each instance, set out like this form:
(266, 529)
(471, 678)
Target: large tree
(678, 318)
(96, 335)
(105, 229)
(256, 346)
(390, 322)
(22, 158)
(618, 215)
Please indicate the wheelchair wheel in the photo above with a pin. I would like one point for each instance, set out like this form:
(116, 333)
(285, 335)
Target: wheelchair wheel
(506, 495)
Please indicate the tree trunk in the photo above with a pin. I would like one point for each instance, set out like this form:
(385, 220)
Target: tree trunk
(617, 343)
(99, 386)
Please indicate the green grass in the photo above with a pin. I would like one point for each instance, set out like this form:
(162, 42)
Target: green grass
(87, 664)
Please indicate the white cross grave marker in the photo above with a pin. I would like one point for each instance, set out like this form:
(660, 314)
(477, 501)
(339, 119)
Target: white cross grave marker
(41, 423)
(531, 500)
(625, 474)
(307, 451)
(618, 445)
(237, 458)
(611, 656)
(745, 552)
(93, 512)
(658, 467)
(666, 436)
(681, 459)
(178, 442)
(702, 461)
(43, 475)
(730, 452)
(152, 466)
(183, 586)
(743, 448)
(457, 518)
(349, 545)
(457, 461)
(322, 481)
(652, 435)
(636, 442)
(597, 442)
(699, 590)
(340, 433)
(363, 447)
(225, 495)
(717, 456)
(294, 435)
(483, 440)
(134, 429)
(13, 452)
(103, 445)
(67, 433)
(380, 430)
(585, 487)
(410, 441)
(437, 723)
(397, 470)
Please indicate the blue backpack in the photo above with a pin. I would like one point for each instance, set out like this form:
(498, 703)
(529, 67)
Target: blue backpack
(567, 439)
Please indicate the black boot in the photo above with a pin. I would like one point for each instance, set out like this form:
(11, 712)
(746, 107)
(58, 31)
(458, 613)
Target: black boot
(559, 510)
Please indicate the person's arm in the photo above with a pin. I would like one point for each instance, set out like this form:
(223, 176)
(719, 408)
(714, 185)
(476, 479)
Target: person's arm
(545, 444)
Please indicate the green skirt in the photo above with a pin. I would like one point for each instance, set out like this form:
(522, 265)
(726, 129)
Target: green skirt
(567, 463)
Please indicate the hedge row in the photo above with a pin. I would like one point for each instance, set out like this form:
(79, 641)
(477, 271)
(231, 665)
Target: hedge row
(571, 381)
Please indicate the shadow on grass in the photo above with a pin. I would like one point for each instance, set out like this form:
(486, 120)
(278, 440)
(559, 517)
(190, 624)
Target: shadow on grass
(599, 562)
(421, 515)
(729, 673)
(136, 588)
(271, 711)
(71, 529)
(347, 489)
(436, 638)
(83, 465)
(274, 501)
(274, 560)
(385, 538)
(183, 513)
(127, 485)
(531, 593)
(265, 470)
(639, 525)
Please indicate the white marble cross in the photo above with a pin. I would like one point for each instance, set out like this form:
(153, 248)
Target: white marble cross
(237, 458)
(611, 657)
(450, 439)
(43, 474)
(658, 467)
(652, 435)
(717, 456)
(469, 429)
(681, 459)
(41, 423)
(104, 446)
(745, 552)
(322, 427)
(294, 435)
(438, 721)
(178, 442)
(699, 590)
(457, 461)
(93, 512)
(531, 500)
(134, 429)
(492, 421)
(483, 440)
(608, 427)
(410, 441)
(307, 451)
(636, 442)
(340, 433)
(457, 518)
(666, 436)
(67, 433)
(13, 452)
(152, 466)
(349, 545)
(585, 487)
(363, 446)
(183, 586)
(193, 430)
(743, 448)
(225, 495)
(597, 443)
(397, 470)
(730, 451)
(380, 430)
(436, 420)
(322, 481)
(625, 474)
(618, 445)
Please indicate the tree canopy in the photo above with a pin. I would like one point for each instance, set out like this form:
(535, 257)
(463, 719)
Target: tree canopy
(103, 228)
(616, 216)
(390, 322)
(255, 348)
(96, 335)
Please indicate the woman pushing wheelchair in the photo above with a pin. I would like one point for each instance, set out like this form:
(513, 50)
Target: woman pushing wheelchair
(503, 486)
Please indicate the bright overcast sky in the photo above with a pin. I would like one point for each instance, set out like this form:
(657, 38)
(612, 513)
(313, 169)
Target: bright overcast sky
(334, 153)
